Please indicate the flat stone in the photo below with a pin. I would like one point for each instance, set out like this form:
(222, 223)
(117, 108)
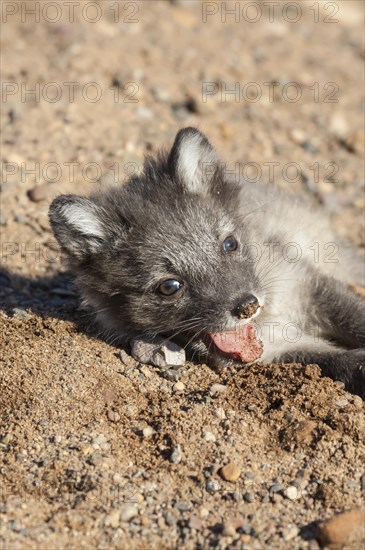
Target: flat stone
(159, 353)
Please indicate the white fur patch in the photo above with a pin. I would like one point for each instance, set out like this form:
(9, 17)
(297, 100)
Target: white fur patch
(84, 219)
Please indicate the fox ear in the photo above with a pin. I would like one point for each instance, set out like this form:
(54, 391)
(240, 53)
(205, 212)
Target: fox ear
(193, 160)
(78, 224)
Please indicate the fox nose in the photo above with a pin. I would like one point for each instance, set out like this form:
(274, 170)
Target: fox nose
(246, 307)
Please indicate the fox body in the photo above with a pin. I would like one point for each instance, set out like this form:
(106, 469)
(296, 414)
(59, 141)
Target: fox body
(186, 252)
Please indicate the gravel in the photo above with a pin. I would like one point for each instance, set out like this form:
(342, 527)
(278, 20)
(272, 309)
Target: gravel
(176, 454)
(63, 386)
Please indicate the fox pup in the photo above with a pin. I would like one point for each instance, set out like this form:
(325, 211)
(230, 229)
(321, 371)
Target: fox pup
(233, 271)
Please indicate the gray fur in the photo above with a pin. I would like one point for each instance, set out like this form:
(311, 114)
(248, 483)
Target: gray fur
(170, 223)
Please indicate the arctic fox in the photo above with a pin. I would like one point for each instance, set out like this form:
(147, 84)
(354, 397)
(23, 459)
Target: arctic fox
(235, 271)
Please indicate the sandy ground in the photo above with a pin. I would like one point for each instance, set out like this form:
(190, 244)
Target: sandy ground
(98, 451)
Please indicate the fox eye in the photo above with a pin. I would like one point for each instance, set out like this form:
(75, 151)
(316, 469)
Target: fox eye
(169, 287)
(230, 244)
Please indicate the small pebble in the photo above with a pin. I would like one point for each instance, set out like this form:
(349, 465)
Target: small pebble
(20, 218)
(170, 519)
(112, 519)
(209, 436)
(3, 218)
(292, 492)
(100, 439)
(229, 529)
(276, 488)
(161, 94)
(145, 521)
(170, 374)
(249, 497)
(355, 142)
(144, 112)
(183, 506)
(179, 386)
(181, 111)
(113, 416)
(290, 532)
(297, 136)
(217, 389)
(195, 522)
(96, 459)
(176, 455)
(300, 433)
(358, 402)
(86, 450)
(6, 439)
(338, 126)
(118, 478)
(342, 403)
(126, 359)
(146, 371)
(38, 193)
(148, 431)
(226, 130)
(127, 512)
(220, 413)
(230, 472)
(21, 312)
(310, 147)
(213, 486)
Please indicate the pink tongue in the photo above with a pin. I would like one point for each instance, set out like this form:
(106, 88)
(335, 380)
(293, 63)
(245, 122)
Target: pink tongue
(242, 344)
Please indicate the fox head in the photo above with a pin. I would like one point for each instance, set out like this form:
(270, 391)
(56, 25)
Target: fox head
(165, 253)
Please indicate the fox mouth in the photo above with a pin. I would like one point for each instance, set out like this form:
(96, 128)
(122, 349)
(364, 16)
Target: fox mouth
(241, 344)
